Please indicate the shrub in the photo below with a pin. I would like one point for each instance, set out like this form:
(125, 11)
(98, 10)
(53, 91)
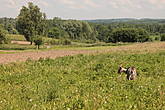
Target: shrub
(38, 41)
(162, 37)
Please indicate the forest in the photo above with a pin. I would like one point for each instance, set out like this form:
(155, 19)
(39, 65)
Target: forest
(90, 31)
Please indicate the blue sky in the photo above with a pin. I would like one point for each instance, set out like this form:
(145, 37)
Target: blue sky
(89, 9)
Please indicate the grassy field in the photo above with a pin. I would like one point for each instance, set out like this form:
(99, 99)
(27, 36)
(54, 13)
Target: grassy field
(16, 37)
(88, 82)
(74, 46)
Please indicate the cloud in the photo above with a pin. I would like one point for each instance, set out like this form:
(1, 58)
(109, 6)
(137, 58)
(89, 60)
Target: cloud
(73, 4)
(10, 3)
(80, 4)
(91, 3)
(68, 2)
(136, 4)
(89, 8)
(43, 3)
(157, 1)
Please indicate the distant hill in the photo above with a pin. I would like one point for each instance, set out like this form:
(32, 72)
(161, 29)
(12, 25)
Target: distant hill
(127, 20)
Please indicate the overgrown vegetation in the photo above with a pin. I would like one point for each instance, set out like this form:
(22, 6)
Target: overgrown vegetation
(84, 82)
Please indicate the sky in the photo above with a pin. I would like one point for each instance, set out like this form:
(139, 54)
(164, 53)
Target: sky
(89, 9)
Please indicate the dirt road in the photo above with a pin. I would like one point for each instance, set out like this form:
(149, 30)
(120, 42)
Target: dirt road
(134, 48)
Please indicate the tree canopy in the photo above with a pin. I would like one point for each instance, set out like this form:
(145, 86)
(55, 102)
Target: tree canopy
(3, 38)
(31, 21)
(129, 35)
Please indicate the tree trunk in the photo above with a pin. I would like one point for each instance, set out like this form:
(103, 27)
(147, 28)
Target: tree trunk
(31, 42)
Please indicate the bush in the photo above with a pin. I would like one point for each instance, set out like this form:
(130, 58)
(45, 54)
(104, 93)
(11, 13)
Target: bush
(162, 37)
(38, 41)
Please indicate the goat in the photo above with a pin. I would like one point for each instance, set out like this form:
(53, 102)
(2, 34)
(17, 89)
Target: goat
(131, 72)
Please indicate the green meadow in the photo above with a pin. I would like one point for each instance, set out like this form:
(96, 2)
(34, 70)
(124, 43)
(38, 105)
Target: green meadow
(87, 82)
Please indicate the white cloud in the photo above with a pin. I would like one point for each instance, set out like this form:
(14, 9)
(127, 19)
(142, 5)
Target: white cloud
(89, 8)
(43, 3)
(79, 4)
(10, 3)
(68, 2)
(92, 4)
(157, 1)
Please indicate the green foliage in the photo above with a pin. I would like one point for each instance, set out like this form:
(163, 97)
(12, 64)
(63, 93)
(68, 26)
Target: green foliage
(31, 22)
(84, 82)
(54, 33)
(154, 38)
(50, 41)
(162, 37)
(128, 35)
(3, 38)
(9, 25)
(11, 29)
(71, 29)
(38, 41)
(103, 32)
(157, 38)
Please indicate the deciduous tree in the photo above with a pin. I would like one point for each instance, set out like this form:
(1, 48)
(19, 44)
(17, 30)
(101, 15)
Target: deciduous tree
(31, 21)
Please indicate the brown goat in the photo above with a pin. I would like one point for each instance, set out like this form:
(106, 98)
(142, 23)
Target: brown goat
(131, 72)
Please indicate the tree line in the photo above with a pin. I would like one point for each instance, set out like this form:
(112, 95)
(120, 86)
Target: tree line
(33, 24)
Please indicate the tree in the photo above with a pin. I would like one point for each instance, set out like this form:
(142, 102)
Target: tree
(31, 22)
(11, 29)
(54, 33)
(3, 38)
(129, 35)
(103, 32)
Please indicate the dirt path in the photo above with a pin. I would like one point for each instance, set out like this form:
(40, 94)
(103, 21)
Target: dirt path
(23, 56)
(135, 48)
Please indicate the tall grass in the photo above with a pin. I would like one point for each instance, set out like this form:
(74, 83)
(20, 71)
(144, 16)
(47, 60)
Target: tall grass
(84, 82)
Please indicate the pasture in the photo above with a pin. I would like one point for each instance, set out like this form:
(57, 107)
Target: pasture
(88, 82)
